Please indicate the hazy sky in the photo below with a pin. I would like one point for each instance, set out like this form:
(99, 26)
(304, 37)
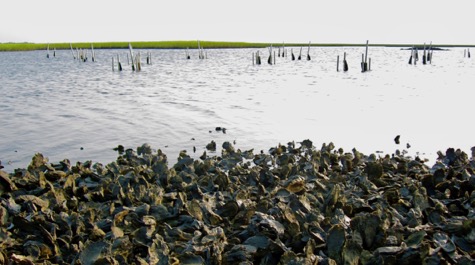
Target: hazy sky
(343, 21)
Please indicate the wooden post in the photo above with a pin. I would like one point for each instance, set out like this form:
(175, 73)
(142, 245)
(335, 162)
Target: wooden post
(274, 57)
(131, 56)
(72, 52)
(345, 64)
(429, 53)
(424, 58)
(369, 64)
(365, 63)
(468, 52)
(253, 59)
(54, 52)
(300, 54)
(93, 56)
(47, 51)
(113, 64)
(269, 59)
(362, 63)
(308, 52)
(293, 56)
(337, 62)
(119, 65)
(138, 63)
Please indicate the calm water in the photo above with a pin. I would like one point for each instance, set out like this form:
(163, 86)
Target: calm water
(64, 108)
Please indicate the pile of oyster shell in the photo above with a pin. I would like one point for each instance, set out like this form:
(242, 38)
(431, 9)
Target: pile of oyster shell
(291, 205)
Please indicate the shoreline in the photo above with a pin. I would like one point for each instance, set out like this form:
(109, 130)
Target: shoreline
(27, 46)
(294, 203)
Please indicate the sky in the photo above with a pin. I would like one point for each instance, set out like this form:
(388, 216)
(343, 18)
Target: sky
(340, 21)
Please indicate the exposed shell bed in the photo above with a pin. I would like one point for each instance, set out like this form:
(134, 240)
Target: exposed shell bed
(292, 205)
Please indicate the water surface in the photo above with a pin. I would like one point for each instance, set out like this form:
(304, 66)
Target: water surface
(64, 108)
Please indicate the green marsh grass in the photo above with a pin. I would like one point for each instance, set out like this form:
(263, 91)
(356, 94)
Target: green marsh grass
(26, 46)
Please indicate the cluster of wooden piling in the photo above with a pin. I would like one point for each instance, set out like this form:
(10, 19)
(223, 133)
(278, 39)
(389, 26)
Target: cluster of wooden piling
(466, 53)
(426, 55)
(281, 52)
(365, 60)
(135, 60)
(202, 54)
(345, 63)
(82, 54)
(79, 54)
(365, 63)
(47, 52)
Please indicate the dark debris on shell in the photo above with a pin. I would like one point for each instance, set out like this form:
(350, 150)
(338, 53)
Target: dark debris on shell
(294, 205)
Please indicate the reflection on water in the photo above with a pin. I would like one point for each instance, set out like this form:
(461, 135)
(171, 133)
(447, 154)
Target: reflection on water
(68, 109)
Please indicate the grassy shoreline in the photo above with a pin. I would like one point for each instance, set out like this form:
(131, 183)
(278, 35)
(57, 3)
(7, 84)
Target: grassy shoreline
(27, 46)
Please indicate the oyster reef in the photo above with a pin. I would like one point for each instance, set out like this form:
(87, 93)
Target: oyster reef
(296, 204)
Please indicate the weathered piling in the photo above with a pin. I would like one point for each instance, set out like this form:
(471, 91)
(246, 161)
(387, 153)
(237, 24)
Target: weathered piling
(292, 53)
(429, 53)
(201, 54)
(149, 58)
(113, 65)
(72, 52)
(364, 63)
(119, 65)
(54, 52)
(468, 52)
(137, 62)
(93, 55)
(253, 59)
(300, 54)
(47, 51)
(345, 63)
(308, 52)
(424, 58)
(269, 59)
(337, 62)
(274, 57)
(132, 56)
(187, 54)
(258, 58)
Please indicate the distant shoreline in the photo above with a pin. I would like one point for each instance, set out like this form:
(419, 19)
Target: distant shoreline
(27, 46)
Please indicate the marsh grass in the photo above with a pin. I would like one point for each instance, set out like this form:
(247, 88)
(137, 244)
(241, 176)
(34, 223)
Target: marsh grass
(125, 45)
(26, 46)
